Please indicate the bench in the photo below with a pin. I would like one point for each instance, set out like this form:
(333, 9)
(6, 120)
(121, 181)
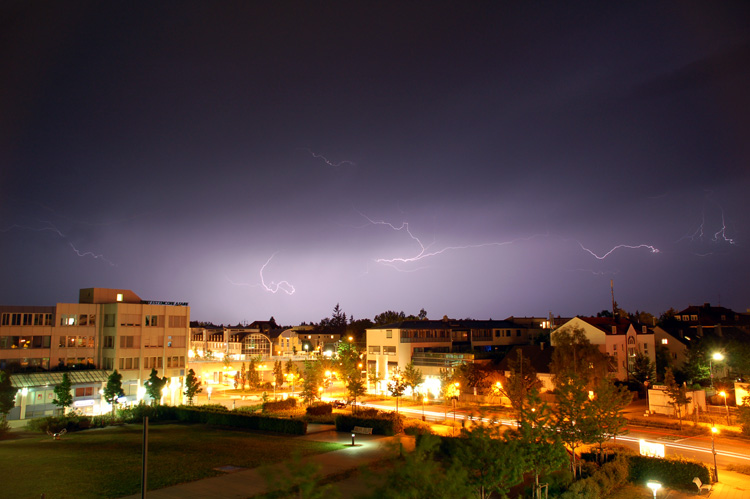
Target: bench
(362, 431)
(701, 486)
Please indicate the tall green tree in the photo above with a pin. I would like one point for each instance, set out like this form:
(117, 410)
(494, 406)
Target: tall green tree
(575, 357)
(642, 369)
(7, 395)
(413, 377)
(154, 386)
(607, 406)
(239, 378)
(677, 393)
(252, 376)
(113, 390)
(396, 386)
(389, 317)
(278, 374)
(539, 442)
(313, 379)
(355, 389)
(493, 463)
(63, 398)
(572, 414)
(192, 386)
(519, 384)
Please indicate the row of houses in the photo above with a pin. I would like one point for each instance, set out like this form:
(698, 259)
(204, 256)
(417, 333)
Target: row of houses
(112, 329)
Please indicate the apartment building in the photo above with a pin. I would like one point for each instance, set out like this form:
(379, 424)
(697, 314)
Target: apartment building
(107, 329)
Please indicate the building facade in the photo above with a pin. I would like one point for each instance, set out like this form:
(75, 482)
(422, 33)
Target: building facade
(107, 329)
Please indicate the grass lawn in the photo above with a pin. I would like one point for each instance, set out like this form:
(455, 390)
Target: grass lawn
(107, 462)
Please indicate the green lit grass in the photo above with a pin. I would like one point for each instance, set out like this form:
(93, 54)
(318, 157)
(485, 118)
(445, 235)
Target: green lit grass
(107, 462)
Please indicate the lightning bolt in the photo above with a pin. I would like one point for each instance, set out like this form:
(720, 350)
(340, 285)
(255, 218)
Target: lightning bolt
(424, 251)
(698, 234)
(651, 248)
(49, 226)
(722, 232)
(329, 163)
(274, 287)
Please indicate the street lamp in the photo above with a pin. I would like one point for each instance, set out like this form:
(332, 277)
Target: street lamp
(713, 451)
(724, 394)
(455, 397)
(717, 356)
(654, 486)
(424, 399)
(273, 383)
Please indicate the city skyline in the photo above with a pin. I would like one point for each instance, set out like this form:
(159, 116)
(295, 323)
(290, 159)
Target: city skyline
(475, 161)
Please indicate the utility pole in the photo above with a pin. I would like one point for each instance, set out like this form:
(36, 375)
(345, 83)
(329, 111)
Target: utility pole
(612, 289)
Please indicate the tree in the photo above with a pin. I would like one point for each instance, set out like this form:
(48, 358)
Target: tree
(663, 361)
(63, 398)
(539, 442)
(239, 378)
(155, 386)
(493, 464)
(572, 414)
(576, 357)
(642, 369)
(252, 375)
(522, 380)
(312, 381)
(389, 317)
(113, 390)
(278, 374)
(607, 407)
(419, 474)
(192, 386)
(7, 396)
(470, 375)
(355, 387)
(413, 377)
(290, 368)
(677, 394)
(396, 385)
(422, 315)
(373, 376)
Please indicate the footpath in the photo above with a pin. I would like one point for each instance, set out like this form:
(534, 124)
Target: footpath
(368, 449)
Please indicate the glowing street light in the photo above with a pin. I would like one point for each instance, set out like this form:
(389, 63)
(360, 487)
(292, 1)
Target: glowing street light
(455, 397)
(424, 399)
(654, 486)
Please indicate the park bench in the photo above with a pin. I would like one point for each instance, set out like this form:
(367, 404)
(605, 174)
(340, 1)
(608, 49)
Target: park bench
(701, 486)
(362, 430)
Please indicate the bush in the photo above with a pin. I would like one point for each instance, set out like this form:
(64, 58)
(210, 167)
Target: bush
(136, 413)
(249, 408)
(241, 420)
(280, 405)
(415, 427)
(601, 482)
(671, 472)
(320, 409)
(383, 423)
(55, 424)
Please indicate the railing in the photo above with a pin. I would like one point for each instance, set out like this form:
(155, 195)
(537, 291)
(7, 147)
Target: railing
(426, 340)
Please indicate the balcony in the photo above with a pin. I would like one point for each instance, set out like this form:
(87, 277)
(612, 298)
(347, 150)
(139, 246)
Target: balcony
(425, 340)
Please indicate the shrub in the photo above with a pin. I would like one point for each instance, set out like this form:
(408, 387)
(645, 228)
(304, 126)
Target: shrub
(366, 412)
(241, 420)
(415, 427)
(385, 423)
(671, 472)
(280, 405)
(602, 482)
(320, 409)
(249, 408)
(55, 424)
(136, 413)
(212, 407)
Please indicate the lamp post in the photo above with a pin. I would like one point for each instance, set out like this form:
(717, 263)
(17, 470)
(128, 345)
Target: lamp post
(273, 383)
(455, 397)
(713, 451)
(724, 394)
(717, 356)
(654, 486)
(424, 399)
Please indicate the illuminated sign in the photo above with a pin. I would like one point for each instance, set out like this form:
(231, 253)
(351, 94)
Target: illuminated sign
(651, 449)
(169, 303)
(83, 403)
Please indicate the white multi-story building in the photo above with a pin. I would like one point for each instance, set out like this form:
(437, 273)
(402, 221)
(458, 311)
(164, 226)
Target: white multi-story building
(107, 329)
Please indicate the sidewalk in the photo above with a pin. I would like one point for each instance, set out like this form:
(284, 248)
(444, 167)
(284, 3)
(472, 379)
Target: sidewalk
(247, 483)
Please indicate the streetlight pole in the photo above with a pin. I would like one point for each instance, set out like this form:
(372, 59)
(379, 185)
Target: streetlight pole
(423, 400)
(713, 451)
(724, 394)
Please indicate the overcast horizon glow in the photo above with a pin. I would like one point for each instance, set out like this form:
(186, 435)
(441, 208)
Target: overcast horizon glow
(480, 161)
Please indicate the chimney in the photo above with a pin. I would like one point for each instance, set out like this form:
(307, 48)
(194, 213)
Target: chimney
(644, 329)
(614, 329)
(541, 346)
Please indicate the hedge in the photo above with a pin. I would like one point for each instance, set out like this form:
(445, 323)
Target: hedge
(382, 424)
(70, 422)
(136, 413)
(671, 472)
(280, 405)
(610, 476)
(242, 420)
(320, 409)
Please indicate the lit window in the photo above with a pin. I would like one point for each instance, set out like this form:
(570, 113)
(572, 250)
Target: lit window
(119, 296)
(664, 341)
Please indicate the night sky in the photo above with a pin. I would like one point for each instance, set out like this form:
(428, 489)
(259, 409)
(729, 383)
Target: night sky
(476, 159)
